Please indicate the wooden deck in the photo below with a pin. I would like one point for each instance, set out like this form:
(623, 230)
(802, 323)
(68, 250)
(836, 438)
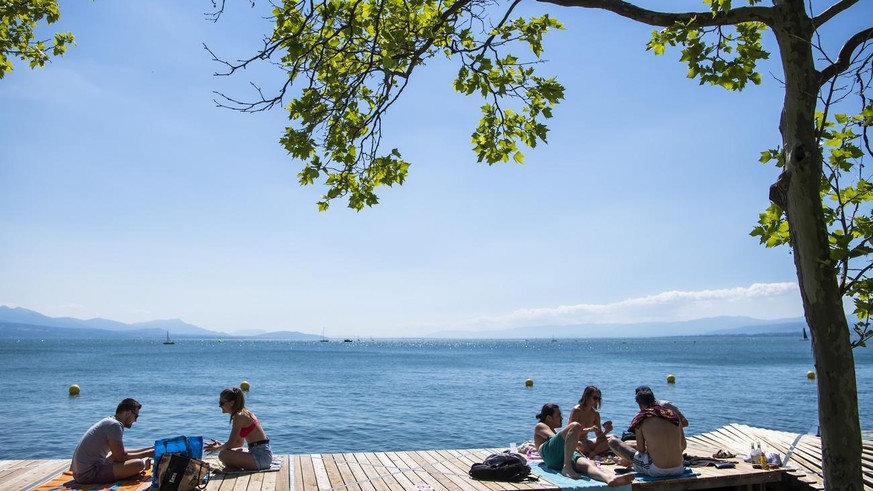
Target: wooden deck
(446, 470)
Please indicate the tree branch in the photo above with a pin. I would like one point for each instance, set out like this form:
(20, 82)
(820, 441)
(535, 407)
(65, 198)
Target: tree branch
(832, 12)
(844, 59)
(666, 19)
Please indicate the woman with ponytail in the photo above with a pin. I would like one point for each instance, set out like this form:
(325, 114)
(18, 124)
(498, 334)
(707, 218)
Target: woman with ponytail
(245, 427)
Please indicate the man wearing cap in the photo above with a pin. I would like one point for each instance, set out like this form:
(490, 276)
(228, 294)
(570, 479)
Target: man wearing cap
(100, 456)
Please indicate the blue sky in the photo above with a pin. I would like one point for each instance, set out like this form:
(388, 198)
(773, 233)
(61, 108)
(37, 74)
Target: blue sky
(128, 195)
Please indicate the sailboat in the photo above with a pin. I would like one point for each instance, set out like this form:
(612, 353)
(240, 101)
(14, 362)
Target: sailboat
(169, 341)
(804, 334)
(323, 339)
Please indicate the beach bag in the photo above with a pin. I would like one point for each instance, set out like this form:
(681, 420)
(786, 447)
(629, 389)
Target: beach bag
(189, 446)
(177, 472)
(504, 466)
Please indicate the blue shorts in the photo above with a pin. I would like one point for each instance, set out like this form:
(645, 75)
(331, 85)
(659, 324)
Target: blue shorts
(263, 455)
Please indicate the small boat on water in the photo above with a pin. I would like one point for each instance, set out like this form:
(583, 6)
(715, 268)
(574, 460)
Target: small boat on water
(347, 340)
(323, 339)
(169, 341)
(805, 337)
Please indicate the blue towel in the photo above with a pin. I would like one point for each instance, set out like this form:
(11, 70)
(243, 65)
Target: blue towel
(567, 484)
(688, 473)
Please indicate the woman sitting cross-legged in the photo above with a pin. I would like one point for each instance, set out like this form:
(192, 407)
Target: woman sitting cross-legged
(244, 428)
(558, 450)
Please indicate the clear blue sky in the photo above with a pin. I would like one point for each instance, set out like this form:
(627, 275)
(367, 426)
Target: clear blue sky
(126, 194)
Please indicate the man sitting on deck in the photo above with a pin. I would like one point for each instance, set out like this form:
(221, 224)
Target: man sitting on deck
(100, 456)
(558, 449)
(660, 439)
(666, 404)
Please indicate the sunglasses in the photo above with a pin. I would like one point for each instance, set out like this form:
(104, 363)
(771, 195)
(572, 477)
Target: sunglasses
(135, 414)
(221, 403)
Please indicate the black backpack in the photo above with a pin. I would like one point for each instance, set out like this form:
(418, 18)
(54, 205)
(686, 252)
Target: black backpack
(504, 466)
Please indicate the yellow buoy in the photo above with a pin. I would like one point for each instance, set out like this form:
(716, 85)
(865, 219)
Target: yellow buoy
(74, 390)
(244, 385)
(810, 375)
(528, 383)
(671, 379)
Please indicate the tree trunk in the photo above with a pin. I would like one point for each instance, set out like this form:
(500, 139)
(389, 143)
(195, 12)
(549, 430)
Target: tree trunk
(798, 188)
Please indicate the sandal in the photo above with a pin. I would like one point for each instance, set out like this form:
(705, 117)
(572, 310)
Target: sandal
(723, 454)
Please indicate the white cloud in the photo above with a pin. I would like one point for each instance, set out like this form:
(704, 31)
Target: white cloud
(759, 300)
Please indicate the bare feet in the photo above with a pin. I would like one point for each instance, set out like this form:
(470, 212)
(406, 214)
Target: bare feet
(621, 480)
(570, 472)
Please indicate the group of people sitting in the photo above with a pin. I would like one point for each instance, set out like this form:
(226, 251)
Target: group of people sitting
(100, 456)
(658, 429)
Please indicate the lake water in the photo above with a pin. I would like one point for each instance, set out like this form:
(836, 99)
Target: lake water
(396, 395)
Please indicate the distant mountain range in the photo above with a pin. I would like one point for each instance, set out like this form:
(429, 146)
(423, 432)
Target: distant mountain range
(22, 323)
(725, 325)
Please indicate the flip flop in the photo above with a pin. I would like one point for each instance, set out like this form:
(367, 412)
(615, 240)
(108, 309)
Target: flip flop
(723, 454)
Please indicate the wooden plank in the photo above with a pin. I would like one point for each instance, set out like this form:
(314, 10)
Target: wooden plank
(241, 482)
(391, 475)
(358, 472)
(375, 474)
(322, 478)
(708, 480)
(446, 470)
(282, 479)
(8, 464)
(31, 473)
(422, 479)
(333, 472)
(452, 470)
(265, 481)
(466, 458)
(399, 472)
(305, 479)
(337, 473)
(430, 463)
(463, 459)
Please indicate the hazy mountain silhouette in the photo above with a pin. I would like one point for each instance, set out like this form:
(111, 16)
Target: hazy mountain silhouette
(23, 323)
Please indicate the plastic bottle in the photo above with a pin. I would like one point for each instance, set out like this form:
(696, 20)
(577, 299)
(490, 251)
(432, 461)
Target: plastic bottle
(763, 457)
(755, 454)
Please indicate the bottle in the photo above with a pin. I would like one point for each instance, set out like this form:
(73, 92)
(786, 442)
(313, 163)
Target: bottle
(763, 456)
(755, 454)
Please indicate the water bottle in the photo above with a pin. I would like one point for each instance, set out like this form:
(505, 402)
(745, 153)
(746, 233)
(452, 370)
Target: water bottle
(763, 457)
(755, 454)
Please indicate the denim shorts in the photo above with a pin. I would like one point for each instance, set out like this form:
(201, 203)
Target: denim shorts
(262, 454)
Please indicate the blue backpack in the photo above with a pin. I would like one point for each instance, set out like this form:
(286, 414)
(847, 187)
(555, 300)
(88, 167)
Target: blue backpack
(189, 446)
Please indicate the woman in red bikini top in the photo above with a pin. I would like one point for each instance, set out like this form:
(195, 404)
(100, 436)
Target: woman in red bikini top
(244, 428)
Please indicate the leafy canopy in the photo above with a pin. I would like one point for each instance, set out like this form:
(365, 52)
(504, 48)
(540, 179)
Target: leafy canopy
(347, 62)
(350, 60)
(18, 23)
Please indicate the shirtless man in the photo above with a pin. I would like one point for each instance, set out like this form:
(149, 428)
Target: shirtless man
(660, 439)
(558, 450)
(587, 414)
(666, 404)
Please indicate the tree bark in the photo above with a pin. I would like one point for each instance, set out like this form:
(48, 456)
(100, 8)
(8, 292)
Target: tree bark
(822, 300)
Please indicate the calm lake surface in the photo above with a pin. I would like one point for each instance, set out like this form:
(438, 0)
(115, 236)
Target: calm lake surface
(396, 395)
